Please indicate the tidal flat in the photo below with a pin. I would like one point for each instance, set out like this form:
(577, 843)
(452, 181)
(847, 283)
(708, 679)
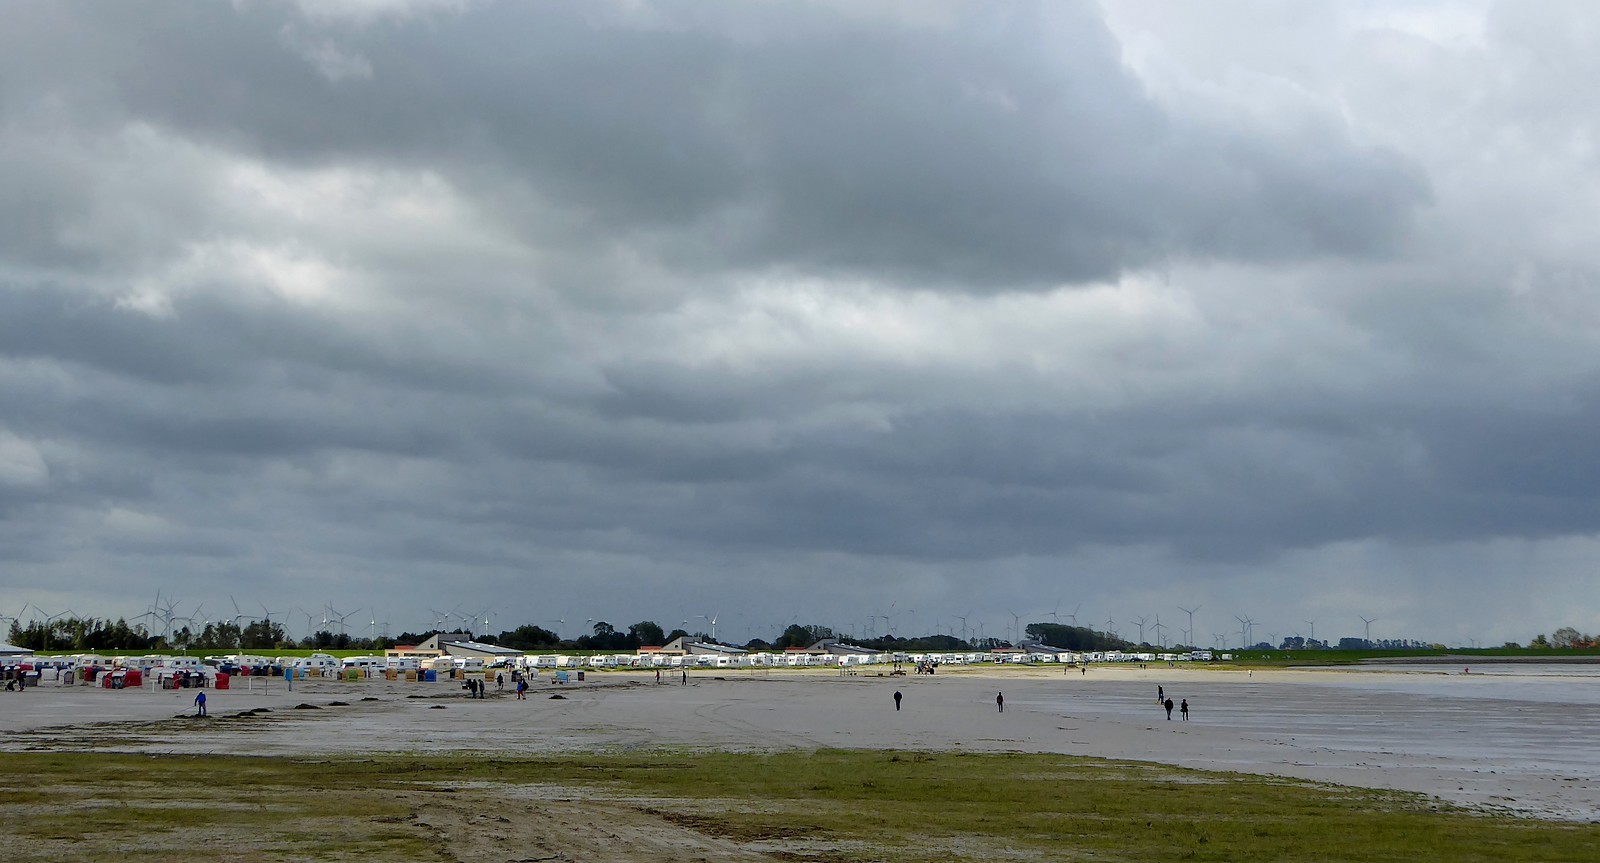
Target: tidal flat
(824, 805)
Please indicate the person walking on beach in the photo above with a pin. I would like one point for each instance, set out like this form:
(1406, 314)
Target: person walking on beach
(1184, 709)
(1161, 695)
(1168, 705)
(200, 703)
(685, 679)
(1000, 701)
(897, 700)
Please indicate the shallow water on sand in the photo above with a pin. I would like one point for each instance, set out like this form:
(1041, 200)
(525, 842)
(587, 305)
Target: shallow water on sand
(1536, 720)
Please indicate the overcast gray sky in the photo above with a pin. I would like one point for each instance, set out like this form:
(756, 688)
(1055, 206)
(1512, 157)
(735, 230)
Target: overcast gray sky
(805, 311)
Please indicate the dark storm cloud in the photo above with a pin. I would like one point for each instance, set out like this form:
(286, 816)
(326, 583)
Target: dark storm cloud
(787, 300)
(997, 150)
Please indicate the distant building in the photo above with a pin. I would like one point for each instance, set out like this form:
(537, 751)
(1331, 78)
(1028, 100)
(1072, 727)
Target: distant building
(1038, 647)
(11, 650)
(685, 646)
(835, 647)
(458, 644)
(436, 642)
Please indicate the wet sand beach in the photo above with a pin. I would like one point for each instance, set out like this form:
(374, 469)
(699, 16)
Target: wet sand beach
(1465, 739)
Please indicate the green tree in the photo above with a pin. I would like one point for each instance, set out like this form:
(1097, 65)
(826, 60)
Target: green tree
(1073, 637)
(529, 637)
(264, 635)
(795, 636)
(647, 633)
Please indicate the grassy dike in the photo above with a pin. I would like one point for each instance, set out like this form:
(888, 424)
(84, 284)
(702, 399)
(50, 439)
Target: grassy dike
(826, 806)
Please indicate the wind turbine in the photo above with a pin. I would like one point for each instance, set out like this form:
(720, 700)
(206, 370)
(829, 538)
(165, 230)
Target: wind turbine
(267, 615)
(136, 617)
(1140, 621)
(237, 614)
(335, 615)
(1245, 623)
(712, 619)
(1054, 616)
(1313, 625)
(1073, 616)
(1016, 626)
(888, 622)
(164, 613)
(238, 631)
(1162, 639)
(195, 616)
(963, 619)
(1189, 633)
(1368, 621)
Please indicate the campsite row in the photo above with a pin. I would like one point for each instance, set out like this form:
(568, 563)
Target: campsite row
(454, 658)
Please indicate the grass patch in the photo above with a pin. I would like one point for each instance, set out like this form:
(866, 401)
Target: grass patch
(827, 805)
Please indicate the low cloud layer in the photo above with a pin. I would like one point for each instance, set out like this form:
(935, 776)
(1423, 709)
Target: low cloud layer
(803, 310)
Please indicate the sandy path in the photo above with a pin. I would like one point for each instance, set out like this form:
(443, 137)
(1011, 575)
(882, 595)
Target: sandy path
(1281, 722)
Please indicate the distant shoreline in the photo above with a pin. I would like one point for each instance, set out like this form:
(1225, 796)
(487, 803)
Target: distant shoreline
(1471, 659)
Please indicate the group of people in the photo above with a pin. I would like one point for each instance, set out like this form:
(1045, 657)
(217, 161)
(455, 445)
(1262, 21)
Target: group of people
(1165, 700)
(1162, 699)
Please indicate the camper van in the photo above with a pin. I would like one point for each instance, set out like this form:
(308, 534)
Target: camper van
(367, 665)
(322, 663)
